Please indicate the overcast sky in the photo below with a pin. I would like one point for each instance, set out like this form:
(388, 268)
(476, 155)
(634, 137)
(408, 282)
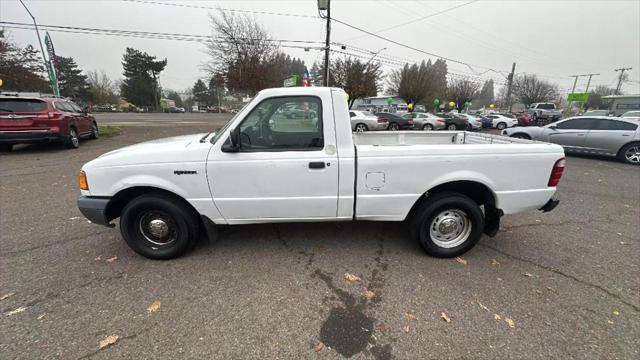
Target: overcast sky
(552, 39)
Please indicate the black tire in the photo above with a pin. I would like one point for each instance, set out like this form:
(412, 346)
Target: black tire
(630, 154)
(521, 136)
(6, 147)
(72, 141)
(427, 127)
(95, 133)
(450, 204)
(452, 127)
(360, 127)
(469, 127)
(182, 226)
(501, 126)
(393, 127)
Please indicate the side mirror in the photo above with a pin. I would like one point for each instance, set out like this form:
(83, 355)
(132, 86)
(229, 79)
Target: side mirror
(233, 141)
(553, 127)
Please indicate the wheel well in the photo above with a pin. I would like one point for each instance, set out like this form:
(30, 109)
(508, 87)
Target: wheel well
(523, 134)
(123, 197)
(478, 192)
(623, 146)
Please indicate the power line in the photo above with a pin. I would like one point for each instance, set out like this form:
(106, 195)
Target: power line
(220, 8)
(469, 65)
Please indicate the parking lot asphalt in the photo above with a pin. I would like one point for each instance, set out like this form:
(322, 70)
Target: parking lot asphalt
(564, 284)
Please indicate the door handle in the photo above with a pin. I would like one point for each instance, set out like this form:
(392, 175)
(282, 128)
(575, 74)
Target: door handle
(580, 134)
(316, 165)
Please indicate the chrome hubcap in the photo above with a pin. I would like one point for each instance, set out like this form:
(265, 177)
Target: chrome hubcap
(450, 228)
(158, 228)
(360, 128)
(74, 137)
(633, 154)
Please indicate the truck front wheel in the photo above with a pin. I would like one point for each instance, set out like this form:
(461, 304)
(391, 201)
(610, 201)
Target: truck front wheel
(159, 227)
(448, 224)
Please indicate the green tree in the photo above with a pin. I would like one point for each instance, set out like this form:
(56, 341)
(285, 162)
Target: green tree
(201, 93)
(486, 95)
(216, 89)
(72, 82)
(140, 84)
(21, 69)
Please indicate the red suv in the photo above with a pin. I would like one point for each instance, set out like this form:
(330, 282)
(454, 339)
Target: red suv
(27, 120)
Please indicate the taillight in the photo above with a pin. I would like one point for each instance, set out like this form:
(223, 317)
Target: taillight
(556, 173)
(440, 120)
(54, 115)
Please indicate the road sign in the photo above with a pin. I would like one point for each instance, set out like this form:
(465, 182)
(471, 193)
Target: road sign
(579, 97)
(294, 80)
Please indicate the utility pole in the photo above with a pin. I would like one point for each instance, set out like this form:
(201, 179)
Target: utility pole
(326, 5)
(573, 89)
(510, 78)
(44, 58)
(589, 82)
(619, 87)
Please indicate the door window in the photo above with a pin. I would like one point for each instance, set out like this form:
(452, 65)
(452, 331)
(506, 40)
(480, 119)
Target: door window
(576, 124)
(283, 124)
(602, 124)
(64, 106)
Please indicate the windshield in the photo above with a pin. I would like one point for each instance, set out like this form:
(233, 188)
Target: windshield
(221, 131)
(546, 106)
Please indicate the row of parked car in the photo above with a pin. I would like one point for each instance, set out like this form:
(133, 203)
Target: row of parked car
(366, 121)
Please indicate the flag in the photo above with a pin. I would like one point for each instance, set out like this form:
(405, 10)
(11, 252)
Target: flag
(305, 77)
(53, 78)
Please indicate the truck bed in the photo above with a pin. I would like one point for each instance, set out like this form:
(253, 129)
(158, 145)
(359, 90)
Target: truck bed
(394, 138)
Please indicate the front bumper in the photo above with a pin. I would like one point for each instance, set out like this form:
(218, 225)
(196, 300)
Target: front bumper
(95, 209)
(550, 205)
(28, 136)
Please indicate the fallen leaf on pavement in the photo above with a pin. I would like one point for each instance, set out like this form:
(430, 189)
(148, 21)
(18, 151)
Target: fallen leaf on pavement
(381, 327)
(98, 258)
(351, 278)
(406, 329)
(528, 274)
(16, 311)
(369, 294)
(510, 322)
(445, 317)
(482, 306)
(5, 296)
(112, 259)
(109, 340)
(494, 262)
(616, 312)
(610, 321)
(41, 316)
(74, 218)
(319, 347)
(154, 306)
(497, 317)
(410, 316)
(461, 260)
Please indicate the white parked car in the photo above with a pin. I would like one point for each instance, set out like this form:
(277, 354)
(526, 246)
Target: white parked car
(502, 122)
(633, 115)
(261, 167)
(366, 121)
(474, 122)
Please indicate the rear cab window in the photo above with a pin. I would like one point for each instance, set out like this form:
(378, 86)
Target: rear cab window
(22, 105)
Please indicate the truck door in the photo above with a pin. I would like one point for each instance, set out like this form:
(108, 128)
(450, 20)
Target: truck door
(570, 133)
(286, 167)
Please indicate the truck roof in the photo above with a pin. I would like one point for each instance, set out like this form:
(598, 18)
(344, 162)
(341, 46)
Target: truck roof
(299, 90)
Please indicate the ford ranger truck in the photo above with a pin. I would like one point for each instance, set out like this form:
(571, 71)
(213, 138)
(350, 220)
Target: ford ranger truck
(267, 166)
(544, 113)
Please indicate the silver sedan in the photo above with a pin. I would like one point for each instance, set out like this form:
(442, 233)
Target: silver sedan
(425, 121)
(366, 121)
(599, 135)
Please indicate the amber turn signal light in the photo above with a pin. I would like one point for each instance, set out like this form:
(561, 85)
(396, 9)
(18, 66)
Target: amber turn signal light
(82, 181)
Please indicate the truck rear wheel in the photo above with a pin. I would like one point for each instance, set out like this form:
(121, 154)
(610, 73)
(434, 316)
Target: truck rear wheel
(448, 224)
(157, 226)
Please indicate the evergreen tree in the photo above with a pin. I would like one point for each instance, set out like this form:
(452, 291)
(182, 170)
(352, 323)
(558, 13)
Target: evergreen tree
(140, 84)
(72, 82)
(22, 69)
(201, 93)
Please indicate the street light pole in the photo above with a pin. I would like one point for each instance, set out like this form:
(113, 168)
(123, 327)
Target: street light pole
(326, 5)
(44, 58)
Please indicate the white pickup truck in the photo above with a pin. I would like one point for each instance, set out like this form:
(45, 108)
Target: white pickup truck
(264, 167)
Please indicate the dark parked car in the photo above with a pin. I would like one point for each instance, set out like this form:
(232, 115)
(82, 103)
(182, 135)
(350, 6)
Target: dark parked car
(486, 121)
(454, 121)
(396, 122)
(28, 120)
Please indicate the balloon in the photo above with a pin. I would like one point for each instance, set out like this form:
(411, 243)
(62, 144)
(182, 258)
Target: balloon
(436, 102)
(452, 104)
(389, 100)
(0, 82)
(492, 106)
(347, 96)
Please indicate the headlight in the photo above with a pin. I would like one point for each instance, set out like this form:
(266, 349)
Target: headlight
(82, 181)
